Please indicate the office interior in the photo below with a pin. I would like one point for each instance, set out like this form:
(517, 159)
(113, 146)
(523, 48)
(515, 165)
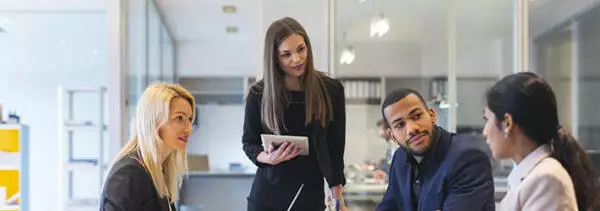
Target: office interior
(71, 72)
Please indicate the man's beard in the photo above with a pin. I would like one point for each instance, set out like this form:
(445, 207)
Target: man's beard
(407, 147)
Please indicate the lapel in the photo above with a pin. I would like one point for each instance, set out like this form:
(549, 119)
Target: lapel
(430, 164)
(164, 204)
(527, 164)
(407, 184)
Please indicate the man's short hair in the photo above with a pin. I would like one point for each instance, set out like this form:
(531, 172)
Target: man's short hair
(398, 95)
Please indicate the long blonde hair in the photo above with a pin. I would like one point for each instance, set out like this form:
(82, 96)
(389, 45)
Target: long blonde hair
(274, 96)
(152, 113)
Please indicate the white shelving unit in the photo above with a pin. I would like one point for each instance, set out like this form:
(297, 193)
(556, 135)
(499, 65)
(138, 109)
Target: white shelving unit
(70, 165)
(14, 153)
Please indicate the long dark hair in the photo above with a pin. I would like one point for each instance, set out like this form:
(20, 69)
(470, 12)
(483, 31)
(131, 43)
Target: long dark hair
(274, 95)
(532, 104)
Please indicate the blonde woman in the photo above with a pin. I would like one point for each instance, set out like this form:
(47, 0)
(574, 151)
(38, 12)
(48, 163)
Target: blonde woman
(147, 173)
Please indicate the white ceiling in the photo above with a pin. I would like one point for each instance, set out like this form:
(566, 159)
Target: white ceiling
(201, 24)
(203, 20)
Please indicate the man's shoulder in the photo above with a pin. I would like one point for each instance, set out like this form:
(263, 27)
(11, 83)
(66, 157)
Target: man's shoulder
(466, 150)
(461, 144)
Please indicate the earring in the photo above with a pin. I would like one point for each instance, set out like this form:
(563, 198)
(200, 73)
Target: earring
(506, 133)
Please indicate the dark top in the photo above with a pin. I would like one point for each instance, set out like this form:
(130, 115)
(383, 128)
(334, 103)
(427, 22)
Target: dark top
(129, 187)
(453, 175)
(275, 186)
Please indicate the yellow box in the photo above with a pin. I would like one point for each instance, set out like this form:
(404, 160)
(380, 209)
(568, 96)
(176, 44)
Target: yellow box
(9, 140)
(10, 180)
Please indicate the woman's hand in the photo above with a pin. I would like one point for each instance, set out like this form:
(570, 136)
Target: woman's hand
(337, 193)
(286, 151)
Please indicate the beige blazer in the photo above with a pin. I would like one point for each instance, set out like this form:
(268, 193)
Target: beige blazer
(539, 183)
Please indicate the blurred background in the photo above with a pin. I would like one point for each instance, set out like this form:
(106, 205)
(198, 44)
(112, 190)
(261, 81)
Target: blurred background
(71, 72)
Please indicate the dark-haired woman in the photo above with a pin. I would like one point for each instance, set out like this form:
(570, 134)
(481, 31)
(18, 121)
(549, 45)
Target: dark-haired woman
(552, 172)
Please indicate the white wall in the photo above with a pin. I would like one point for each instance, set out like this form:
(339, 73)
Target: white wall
(227, 57)
(220, 131)
(40, 52)
(241, 54)
(54, 5)
(219, 135)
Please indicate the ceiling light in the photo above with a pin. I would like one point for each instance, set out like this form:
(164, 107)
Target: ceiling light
(361, 1)
(446, 105)
(231, 29)
(379, 26)
(347, 56)
(229, 9)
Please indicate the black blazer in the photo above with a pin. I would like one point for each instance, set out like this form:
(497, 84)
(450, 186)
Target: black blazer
(329, 142)
(129, 187)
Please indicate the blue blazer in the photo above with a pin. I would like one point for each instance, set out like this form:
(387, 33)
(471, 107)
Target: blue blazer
(455, 176)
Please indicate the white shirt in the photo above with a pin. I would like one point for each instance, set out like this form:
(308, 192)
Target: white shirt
(539, 183)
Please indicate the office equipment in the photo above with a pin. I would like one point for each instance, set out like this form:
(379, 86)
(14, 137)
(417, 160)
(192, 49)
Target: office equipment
(72, 167)
(300, 141)
(14, 167)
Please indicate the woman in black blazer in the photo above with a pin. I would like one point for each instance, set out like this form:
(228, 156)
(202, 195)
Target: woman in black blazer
(294, 99)
(146, 174)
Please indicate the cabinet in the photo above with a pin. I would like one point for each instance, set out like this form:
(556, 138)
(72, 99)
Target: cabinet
(363, 90)
(14, 167)
(217, 90)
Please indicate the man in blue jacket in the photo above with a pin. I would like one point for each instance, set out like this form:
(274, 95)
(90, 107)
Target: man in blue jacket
(434, 169)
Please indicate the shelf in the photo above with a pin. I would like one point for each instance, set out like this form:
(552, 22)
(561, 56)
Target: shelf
(80, 166)
(85, 89)
(367, 101)
(71, 125)
(10, 207)
(3, 167)
(83, 203)
(196, 92)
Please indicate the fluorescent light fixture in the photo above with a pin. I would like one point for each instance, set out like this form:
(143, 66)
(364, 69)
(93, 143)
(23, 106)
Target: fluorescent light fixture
(229, 9)
(231, 29)
(361, 1)
(347, 55)
(379, 26)
(446, 105)
(3, 23)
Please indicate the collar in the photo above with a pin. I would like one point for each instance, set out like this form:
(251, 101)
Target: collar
(527, 164)
(410, 158)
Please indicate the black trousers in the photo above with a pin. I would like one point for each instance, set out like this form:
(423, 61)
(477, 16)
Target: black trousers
(256, 207)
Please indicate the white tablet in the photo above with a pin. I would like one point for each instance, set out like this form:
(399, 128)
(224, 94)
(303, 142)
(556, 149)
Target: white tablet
(300, 141)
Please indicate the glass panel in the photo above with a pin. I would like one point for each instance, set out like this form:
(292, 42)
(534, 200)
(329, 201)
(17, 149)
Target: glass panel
(414, 53)
(138, 74)
(589, 82)
(42, 49)
(154, 44)
(381, 46)
(566, 40)
(484, 53)
(168, 71)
